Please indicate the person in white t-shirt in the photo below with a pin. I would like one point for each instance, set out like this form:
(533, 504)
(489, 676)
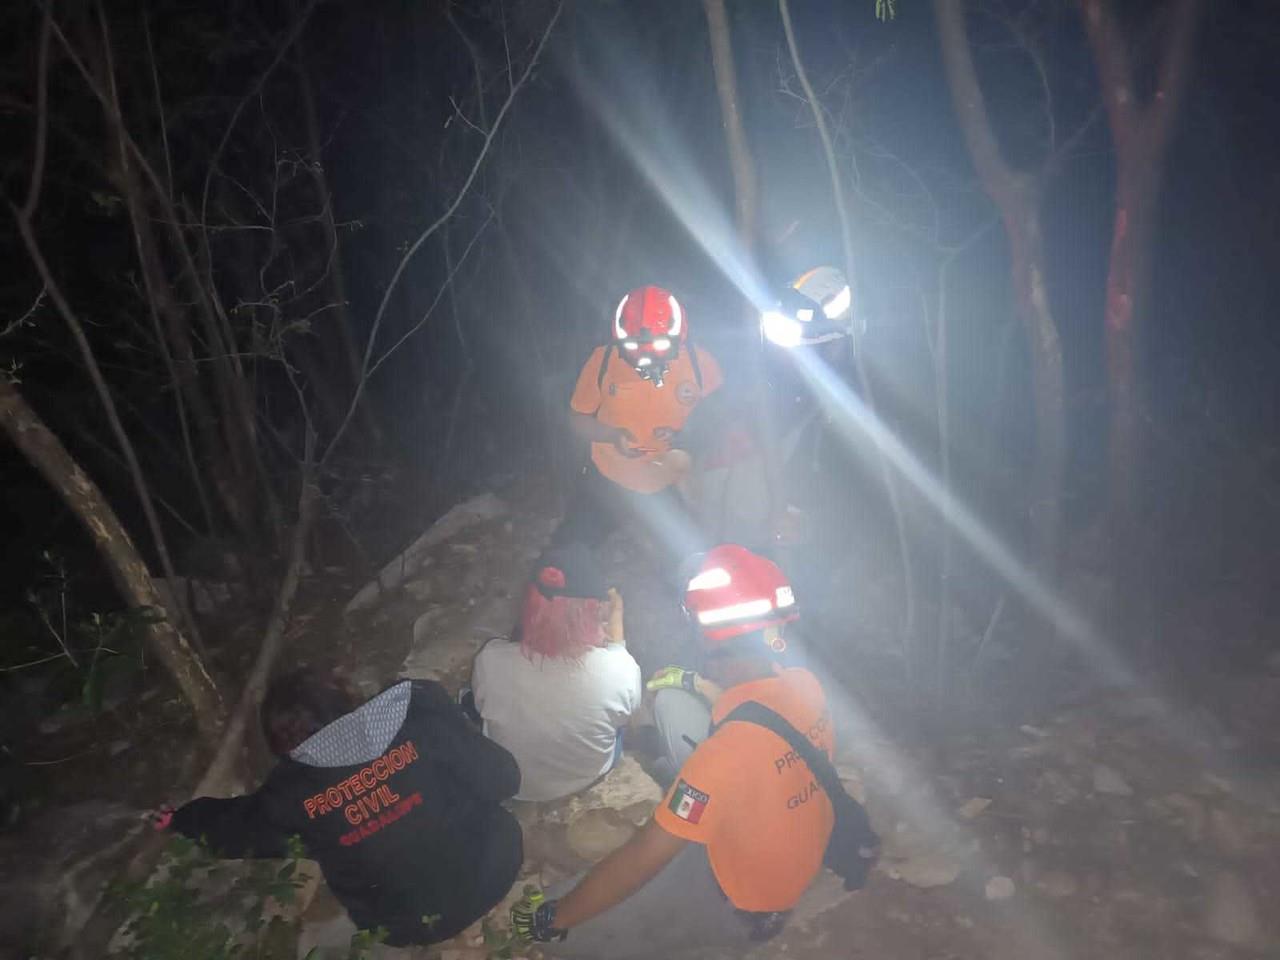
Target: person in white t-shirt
(558, 694)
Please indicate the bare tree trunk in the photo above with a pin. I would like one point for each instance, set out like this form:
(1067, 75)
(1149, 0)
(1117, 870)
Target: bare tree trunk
(1140, 134)
(1031, 304)
(47, 454)
(221, 776)
(740, 163)
(1018, 196)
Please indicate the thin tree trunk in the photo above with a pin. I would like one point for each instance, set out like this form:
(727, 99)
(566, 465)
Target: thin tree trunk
(1031, 304)
(740, 163)
(1018, 196)
(1140, 134)
(221, 776)
(186, 618)
(47, 454)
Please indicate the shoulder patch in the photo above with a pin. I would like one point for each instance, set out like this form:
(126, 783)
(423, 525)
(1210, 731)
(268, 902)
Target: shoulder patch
(688, 803)
(687, 393)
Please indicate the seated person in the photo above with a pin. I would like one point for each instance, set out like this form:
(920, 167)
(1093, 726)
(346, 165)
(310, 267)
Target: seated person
(396, 799)
(557, 694)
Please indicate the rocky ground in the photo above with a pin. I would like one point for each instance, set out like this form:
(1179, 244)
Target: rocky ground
(1117, 826)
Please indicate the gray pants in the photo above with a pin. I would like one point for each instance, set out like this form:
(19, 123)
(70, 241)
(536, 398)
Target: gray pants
(680, 909)
(683, 720)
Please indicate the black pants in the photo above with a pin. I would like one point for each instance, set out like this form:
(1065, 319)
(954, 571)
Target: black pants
(598, 506)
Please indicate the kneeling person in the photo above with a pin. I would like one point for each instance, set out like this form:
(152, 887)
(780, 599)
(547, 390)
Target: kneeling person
(397, 799)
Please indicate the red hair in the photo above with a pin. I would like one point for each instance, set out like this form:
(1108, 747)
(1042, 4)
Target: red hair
(559, 626)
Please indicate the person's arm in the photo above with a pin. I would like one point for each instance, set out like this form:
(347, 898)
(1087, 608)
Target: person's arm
(232, 827)
(679, 678)
(586, 427)
(618, 875)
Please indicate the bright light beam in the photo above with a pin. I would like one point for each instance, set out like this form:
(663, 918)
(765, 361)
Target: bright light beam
(643, 130)
(855, 421)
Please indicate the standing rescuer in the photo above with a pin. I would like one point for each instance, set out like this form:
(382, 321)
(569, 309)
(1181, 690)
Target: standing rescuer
(748, 821)
(632, 398)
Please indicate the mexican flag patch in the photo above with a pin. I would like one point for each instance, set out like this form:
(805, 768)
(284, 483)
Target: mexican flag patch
(688, 803)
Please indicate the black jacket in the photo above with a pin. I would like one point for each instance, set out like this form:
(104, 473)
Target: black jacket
(398, 801)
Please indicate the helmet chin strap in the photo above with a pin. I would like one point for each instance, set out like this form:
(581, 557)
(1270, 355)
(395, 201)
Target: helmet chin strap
(654, 373)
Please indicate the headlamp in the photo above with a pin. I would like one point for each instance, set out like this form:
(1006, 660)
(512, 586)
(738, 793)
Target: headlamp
(781, 329)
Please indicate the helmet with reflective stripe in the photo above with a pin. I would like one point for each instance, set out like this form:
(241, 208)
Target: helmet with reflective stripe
(734, 592)
(649, 313)
(816, 307)
(648, 326)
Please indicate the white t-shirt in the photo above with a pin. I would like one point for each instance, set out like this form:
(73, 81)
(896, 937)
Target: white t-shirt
(559, 718)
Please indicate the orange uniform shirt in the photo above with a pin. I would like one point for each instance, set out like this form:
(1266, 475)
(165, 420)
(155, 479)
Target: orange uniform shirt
(756, 805)
(652, 413)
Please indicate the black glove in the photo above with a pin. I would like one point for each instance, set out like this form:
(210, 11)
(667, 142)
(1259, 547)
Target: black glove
(533, 919)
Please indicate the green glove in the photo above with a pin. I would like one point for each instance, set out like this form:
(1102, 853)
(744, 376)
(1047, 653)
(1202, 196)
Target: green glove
(533, 918)
(669, 678)
(523, 912)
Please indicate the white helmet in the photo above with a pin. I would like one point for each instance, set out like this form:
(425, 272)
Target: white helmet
(816, 307)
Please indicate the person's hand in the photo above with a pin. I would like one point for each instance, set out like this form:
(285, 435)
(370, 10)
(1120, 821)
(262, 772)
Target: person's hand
(622, 438)
(671, 678)
(533, 918)
(613, 617)
(676, 462)
(160, 818)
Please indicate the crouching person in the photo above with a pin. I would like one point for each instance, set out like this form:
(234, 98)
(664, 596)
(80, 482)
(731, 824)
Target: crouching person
(743, 829)
(558, 693)
(396, 799)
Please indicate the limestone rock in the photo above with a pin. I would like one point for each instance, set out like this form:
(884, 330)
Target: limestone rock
(1056, 787)
(597, 833)
(1229, 834)
(1106, 780)
(973, 807)
(1057, 884)
(1000, 888)
(925, 870)
(1231, 912)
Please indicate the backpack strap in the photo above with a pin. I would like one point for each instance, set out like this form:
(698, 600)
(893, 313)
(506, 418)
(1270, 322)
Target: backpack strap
(693, 361)
(822, 768)
(604, 366)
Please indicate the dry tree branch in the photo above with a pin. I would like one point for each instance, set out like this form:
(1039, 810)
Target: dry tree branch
(217, 343)
(107, 400)
(294, 33)
(137, 212)
(220, 776)
(426, 234)
(447, 285)
(22, 218)
(155, 85)
(42, 118)
(28, 315)
(475, 63)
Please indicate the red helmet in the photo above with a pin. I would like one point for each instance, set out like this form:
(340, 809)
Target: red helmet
(649, 326)
(736, 591)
